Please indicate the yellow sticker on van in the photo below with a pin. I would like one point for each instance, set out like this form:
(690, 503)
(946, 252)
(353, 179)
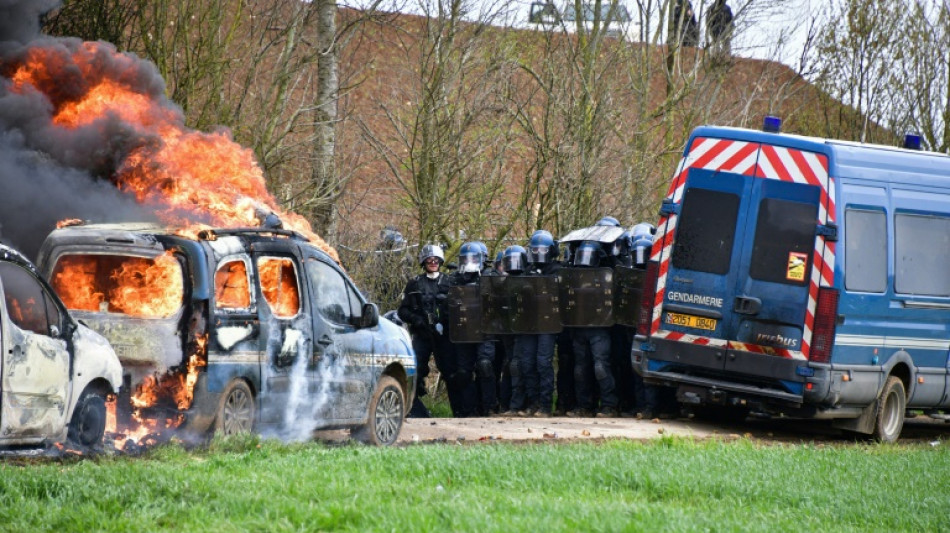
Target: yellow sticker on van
(796, 266)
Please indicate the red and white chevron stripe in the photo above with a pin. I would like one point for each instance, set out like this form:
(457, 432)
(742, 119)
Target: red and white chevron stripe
(761, 161)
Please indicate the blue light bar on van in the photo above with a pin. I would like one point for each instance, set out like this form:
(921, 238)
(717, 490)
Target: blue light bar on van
(912, 141)
(772, 124)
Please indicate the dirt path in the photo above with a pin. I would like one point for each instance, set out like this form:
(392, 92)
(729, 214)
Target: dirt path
(428, 430)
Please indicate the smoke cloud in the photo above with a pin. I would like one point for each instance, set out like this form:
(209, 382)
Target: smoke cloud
(50, 173)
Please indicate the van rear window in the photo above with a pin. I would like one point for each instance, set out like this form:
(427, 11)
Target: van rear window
(784, 241)
(706, 230)
(134, 286)
(922, 255)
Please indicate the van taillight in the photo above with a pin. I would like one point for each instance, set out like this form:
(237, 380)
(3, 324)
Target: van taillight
(823, 333)
(647, 299)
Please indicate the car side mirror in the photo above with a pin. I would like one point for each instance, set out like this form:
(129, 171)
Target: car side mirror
(370, 318)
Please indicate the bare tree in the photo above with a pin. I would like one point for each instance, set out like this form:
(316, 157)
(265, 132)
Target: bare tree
(446, 150)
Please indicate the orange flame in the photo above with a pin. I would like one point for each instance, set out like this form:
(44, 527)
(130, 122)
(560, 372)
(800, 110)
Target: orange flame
(187, 176)
(279, 285)
(134, 286)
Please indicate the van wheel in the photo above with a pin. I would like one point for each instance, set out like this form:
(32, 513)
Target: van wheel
(235, 410)
(387, 409)
(88, 424)
(890, 411)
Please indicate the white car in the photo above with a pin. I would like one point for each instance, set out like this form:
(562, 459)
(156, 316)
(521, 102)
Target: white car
(55, 374)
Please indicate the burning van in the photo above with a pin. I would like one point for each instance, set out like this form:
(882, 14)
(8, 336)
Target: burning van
(56, 374)
(233, 330)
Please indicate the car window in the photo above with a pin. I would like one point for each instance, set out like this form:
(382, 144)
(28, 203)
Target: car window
(231, 285)
(25, 298)
(278, 278)
(331, 294)
(784, 241)
(135, 286)
(706, 231)
(865, 267)
(922, 254)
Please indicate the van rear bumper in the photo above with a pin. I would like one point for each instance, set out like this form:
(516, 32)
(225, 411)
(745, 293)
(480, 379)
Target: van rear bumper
(757, 377)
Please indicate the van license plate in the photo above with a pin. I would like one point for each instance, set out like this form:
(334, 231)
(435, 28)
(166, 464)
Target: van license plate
(690, 321)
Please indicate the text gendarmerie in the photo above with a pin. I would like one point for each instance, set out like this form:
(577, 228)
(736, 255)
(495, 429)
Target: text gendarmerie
(699, 299)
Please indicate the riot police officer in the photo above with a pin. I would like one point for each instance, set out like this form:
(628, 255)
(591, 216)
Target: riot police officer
(473, 396)
(514, 261)
(592, 349)
(535, 351)
(424, 309)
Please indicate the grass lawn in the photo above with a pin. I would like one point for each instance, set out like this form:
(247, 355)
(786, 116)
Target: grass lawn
(244, 484)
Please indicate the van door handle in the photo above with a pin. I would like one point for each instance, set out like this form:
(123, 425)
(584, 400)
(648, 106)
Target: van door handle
(324, 340)
(747, 305)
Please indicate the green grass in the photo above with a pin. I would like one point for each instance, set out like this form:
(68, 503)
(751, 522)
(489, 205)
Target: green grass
(670, 484)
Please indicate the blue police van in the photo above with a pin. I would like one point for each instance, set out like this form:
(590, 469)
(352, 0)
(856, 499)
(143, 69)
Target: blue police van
(799, 276)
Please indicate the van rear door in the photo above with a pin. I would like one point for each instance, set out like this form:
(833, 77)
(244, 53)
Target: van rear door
(741, 270)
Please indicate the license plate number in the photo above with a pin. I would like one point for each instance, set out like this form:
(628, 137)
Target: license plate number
(690, 321)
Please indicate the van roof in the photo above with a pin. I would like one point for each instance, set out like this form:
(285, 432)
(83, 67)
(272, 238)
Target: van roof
(847, 159)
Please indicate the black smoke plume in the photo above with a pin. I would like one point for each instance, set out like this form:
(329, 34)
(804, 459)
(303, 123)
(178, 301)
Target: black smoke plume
(50, 173)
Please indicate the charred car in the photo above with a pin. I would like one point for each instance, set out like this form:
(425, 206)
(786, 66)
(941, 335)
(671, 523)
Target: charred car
(233, 330)
(57, 374)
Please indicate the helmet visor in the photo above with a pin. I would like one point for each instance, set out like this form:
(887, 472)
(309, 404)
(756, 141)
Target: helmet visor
(585, 257)
(470, 263)
(540, 254)
(514, 263)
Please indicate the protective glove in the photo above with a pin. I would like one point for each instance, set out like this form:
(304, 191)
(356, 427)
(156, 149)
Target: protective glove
(438, 328)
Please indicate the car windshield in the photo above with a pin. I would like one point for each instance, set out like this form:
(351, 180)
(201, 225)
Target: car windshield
(135, 286)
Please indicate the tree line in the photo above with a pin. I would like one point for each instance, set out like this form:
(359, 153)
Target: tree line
(454, 119)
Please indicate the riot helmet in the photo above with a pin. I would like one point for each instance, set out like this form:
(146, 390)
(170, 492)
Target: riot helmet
(471, 258)
(391, 239)
(431, 250)
(642, 235)
(499, 264)
(485, 257)
(515, 259)
(588, 254)
(608, 221)
(542, 248)
(621, 247)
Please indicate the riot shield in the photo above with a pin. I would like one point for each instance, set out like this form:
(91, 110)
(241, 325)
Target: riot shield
(465, 314)
(601, 234)
(586, 297)
(534, 304)
(628, 285)
(495, 310)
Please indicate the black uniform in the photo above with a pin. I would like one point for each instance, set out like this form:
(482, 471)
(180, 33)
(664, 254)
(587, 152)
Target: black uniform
(424, 309)
(472, 361)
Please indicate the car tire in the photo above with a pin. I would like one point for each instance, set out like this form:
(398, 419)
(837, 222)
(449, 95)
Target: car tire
(891, 404)
(88, 424)
(236, 410)
(386, 412)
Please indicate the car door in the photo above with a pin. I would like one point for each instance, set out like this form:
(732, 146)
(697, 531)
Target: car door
(36, 361)
(286, 338)
(342, 367)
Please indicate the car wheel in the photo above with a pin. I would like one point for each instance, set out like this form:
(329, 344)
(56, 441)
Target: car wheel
(235, 410)
(387, 409)
(890, 411)
(88, 424)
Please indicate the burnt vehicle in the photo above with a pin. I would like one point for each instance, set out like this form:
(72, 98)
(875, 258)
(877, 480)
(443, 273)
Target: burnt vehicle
(57, 374)
(234, 330)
